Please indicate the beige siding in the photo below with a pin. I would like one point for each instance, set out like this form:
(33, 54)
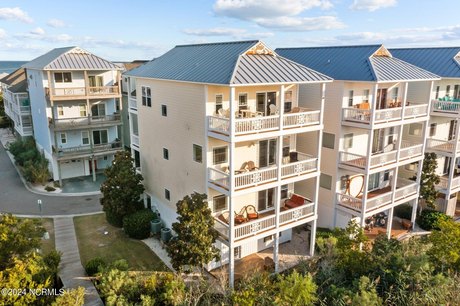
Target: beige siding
(183, 127)
(419, 92)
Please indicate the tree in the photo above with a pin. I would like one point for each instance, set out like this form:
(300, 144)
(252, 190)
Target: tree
(429, 179)
(72, 297)
(296, 289)
(122, 189)
(446, 244)
(194, 246)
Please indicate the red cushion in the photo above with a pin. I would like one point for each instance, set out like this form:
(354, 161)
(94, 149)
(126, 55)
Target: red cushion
(298, 200)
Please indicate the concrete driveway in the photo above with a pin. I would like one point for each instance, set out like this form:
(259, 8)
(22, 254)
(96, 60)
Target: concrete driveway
(16, 199)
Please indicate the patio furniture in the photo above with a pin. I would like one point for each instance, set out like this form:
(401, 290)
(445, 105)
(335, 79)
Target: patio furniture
(295, 201)
(251, 212)
(295, 110)
(252, 166)
(269, 264)
(406, 224)
(224, 217)
(273, 109)
(240, 217)
(293, 157)
(244, 168)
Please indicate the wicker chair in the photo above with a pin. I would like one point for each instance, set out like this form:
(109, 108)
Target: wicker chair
(251, 212)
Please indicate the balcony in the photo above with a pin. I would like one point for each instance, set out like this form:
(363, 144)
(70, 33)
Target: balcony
(305, 164)
(444, 183)
(135, 140)
(261, 124)
(379, 198)
(132, 102)
(84, 122)
(445, 107)
(24, 130)
(71, 93)
(380, 159)
(88, 150)
(267, 221)
(363, 116)
(442, 146)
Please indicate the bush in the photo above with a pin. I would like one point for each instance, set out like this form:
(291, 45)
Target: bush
(34, 165)
(50, 188)
(94, 265)
(403, 211)
(429, 219)
(137, 224)
(120, 264)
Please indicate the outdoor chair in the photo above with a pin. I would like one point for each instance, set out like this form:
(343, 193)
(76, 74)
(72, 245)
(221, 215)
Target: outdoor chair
(241, 216)
(295, 201)
(251, 212)
(244, 168)
(273, 109)
(251, 166)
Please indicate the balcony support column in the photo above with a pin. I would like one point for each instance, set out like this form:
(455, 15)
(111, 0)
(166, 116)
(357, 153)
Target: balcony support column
(93, 161)
(59, 172)
(85, 73)
(366, 176)
(451, 210)
(390, 222)
(404, 99)
(231, 168)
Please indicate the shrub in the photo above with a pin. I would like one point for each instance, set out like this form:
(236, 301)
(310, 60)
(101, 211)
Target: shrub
(94, 265)
(137, 224)
(429, 219)
(50, 188)
(403, 211)
(34, 165)
(120, 264)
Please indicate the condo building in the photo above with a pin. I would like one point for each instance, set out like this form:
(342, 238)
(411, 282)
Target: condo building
(240, 123)
(69, 100)
(375, 124)
(443, 136)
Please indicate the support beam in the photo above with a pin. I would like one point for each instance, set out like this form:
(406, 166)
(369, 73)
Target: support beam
(390, 222)
(231, 168)
(59, 173)
(313, 237)
(94, 168)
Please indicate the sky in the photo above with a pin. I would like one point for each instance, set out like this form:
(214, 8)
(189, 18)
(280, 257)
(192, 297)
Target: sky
(142, 29)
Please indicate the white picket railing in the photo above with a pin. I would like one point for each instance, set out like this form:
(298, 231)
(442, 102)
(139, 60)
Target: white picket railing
(135, 140)
(305, 164)
(352, 159)
(382, 159)
(256, 124)
(356, 114)
(445, 106)
(254, 178)
(132, 103)
(300, 119)
(219, 178)
(416, 110)
(441, 145)
(254, 227)
(219, 124)
(297, 213)
(388, 114)
(405, 191)
(349, 201)
(409, 150)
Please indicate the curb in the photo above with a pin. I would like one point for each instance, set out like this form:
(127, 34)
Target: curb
(57, 216)
(29, 188)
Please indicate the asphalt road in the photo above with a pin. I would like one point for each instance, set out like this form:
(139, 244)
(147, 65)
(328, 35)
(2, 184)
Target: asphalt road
(16, 199)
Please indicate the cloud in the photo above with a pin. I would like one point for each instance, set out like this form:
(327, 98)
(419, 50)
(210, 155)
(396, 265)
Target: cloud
(2, 33)
(232, 32)
(254, 9)
(279, 14)
(372, 5)
(56, 23)
(14, 13)
(296, 24)
(37, 31)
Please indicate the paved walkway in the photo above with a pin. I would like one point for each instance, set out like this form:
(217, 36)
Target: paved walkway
(156, 246)
(71, 271)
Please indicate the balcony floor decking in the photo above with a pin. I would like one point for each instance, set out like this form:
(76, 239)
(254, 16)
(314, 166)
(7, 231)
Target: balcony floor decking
(397, 230)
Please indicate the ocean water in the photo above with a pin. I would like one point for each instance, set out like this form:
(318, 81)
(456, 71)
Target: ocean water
(10, 66)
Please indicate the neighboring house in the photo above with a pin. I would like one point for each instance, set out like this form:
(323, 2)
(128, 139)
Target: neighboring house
(443, 137)
(75, 101)
(376, 117)
(125, 107)
(16, 101)
(226, 119)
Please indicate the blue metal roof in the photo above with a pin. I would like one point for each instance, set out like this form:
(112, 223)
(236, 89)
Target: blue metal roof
(202, 63)
(356, 63)
(437, 60)
(226, 63)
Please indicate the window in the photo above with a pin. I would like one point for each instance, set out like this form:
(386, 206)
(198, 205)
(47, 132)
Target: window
(328, 140)
(63, 137)
(167, 194)
(219, 203)
(164, 110)
(165, 153)
(243, 101)
(219, 155)
(82, 110)
(95, 81)
(433, 129)
(268, 238)
(437, 92)
(415, 129)
(348, 141)
(60, 110)
(386, 175)
(63, 77)
(218, 103)
(197, 153)
(146, 96)
(284, 191)
(98, 110)
(366, 96)
(85, 137)
(287, 101)
(100, 137)
(374, 181)
(325, 181)
(350, 98)
(448, 91)
(394, 94)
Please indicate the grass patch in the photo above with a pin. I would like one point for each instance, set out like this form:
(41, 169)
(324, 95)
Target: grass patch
(92, 242)
(49, 244)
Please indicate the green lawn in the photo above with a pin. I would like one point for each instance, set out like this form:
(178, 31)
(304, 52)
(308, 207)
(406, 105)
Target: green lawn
(92, 242)
(48, 244)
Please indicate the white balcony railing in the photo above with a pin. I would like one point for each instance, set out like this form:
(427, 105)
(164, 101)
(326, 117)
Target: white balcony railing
(409, 189)
(445, 106)
(305, 164)
(256, 124)
(356, 114)
(297, 213)
(303, 118)
(254, 227)
(410, 150)
(132, 103)
(382, 159)
(441, 145)
(89, 120)
(219, 178)
(388, 114)
(254, 178)
(416, 110)
(444, 182)
(81, 91)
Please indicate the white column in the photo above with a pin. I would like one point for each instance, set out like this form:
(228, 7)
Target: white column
(452, 169)
(404, 99)
(278, 188)
(231, 167)
(94, 168)
(390, 222)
